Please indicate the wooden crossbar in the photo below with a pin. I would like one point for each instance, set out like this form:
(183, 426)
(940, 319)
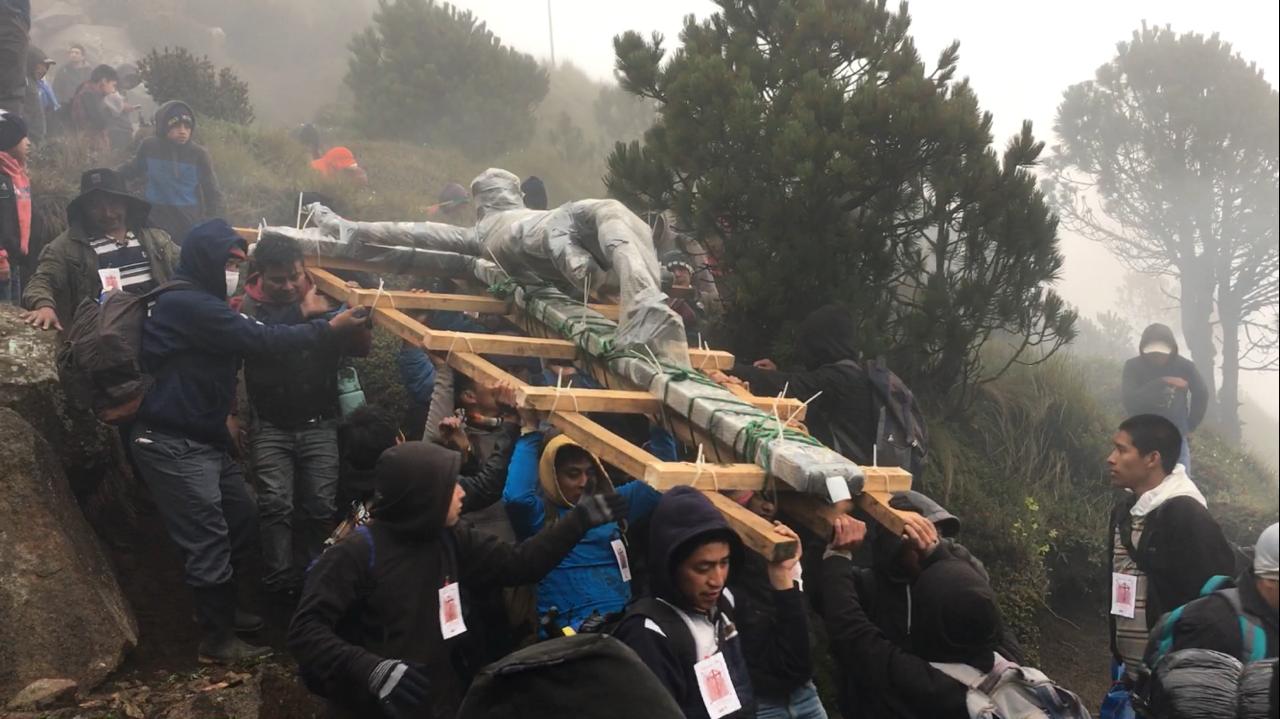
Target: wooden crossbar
(463, 350)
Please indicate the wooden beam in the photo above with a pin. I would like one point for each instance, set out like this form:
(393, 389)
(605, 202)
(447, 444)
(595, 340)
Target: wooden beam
(815, 513)
(885, 480)
(756, 531)
(605, 445)
(669, 475)
(876, 505)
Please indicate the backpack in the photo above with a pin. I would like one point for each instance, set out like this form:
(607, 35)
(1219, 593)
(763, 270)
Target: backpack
(1010, 691)
(1253, 638)
(592, 676)
(348, 628)
(901, 437)
(99, 362)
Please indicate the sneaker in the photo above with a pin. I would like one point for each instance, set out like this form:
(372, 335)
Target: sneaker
(228, 650)
(246, 622)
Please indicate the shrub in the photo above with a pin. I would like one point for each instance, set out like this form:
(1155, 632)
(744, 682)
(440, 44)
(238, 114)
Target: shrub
(176, 74)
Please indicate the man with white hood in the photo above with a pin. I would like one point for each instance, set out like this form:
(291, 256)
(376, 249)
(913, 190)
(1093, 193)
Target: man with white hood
(1164, 543)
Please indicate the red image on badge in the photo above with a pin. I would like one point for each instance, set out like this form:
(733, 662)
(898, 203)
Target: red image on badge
(1124, 594)
(717, 687)
(450, 610)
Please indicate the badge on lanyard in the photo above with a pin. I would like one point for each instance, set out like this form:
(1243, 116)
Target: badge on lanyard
(110, 279)
(451, 624)
(716, 686)
(1124, 594)
(620, 553)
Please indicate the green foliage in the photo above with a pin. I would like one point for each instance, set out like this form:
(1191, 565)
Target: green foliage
(433, 74)
(1169, 157)
(176, 74)
(809, 140)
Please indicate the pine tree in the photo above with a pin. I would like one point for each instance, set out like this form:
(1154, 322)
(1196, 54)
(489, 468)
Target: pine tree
(809, 144)
(428, 72)
(1170, 157)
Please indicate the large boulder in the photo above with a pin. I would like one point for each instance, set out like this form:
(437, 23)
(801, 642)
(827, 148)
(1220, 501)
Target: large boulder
(29, 386)
(62, 613)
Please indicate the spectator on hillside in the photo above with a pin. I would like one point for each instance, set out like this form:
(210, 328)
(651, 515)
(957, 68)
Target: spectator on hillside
(682, 296)
(362, 437)
(453, 206)
(1164, 544)
(294, 426)
(90, 115)
(15, 28)
(1161, 381)
(71, 74)
(535, 193)
(309, 136)
(685, 633)
(841, 417)
(109, 244)
(339, 164)
(385, 626)
(124, 114)
(38, 105)
(15, 205)
(178, 172)
(184, 436)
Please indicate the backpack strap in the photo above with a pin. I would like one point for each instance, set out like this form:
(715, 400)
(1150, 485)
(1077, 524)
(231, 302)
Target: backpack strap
(169, 286)
(671, 624)
(1253, 638)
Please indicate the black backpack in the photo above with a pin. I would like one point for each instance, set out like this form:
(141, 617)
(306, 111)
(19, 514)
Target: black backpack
(901, 437)
(590, 676)
(99, 362)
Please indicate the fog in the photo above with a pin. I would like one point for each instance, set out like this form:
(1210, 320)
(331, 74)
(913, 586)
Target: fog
(1019, 56)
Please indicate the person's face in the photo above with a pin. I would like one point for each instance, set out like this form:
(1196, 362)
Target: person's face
(481, 400)
(179, 133)
(455, 506)
(284, 283)
(762, 506)
(681, 277)
(107, 86)
(75, 56)
(574, 476)
(21, 150)
(1156, 359)
(1129, 468)
(234, 262)
(702, 575)
(105, 213)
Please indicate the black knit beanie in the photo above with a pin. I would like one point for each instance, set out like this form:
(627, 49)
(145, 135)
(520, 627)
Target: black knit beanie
(12, 129)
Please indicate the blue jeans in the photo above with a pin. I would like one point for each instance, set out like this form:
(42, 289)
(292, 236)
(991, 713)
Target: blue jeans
(297, 469)
(202, 499)
(1184, 457)
(802, 704)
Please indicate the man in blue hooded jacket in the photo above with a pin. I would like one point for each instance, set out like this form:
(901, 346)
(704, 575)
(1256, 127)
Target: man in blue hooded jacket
(192, 345)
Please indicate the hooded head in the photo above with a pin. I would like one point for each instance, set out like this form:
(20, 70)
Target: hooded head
(827, 336)
(495, 191)
(956, 616)
(895, 556)
(535, 193)
(1159, 339)
(171, 114)
(683, 521)
(205, 253)
(414, 488)
(553, 495)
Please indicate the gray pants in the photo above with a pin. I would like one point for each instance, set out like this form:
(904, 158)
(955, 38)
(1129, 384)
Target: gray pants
(202, 498)
(297, 471)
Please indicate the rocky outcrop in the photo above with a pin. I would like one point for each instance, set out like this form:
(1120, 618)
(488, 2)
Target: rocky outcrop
(62, 613)
(29, 386)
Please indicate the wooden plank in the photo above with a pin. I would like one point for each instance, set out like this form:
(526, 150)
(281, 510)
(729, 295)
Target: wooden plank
(332, 285)
(399, 324)
(575, 399)
(876, 505)
(605, 445)
(815, 513)
(480, 369)
(756, 531)
(668, 475)
(885, 480)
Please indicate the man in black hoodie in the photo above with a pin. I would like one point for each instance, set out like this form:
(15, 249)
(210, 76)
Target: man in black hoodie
(382, 628)
(180, 183)
(841, 418)
(192, 345)
(1161, 381)
(686, 632)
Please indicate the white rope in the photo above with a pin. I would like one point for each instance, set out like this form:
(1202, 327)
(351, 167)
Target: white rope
(701, 465)
(560, 389)
(796, 411)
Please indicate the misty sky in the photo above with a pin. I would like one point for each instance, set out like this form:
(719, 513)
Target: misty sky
(1019, 54)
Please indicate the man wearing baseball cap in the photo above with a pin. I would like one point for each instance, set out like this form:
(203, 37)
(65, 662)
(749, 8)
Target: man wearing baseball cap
(1160, 381)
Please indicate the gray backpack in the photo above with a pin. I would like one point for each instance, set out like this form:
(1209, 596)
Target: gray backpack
(1010, 691)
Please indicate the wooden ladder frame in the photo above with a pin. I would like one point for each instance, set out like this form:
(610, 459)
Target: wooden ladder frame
(462, 351)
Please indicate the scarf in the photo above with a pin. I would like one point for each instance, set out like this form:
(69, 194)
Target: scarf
(10, 166)
(1177, 484)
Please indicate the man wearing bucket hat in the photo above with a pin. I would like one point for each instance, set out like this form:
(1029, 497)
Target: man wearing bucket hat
(109, 244)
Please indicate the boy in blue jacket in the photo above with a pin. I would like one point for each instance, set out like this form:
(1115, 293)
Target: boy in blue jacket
(192, 345)
(546, 482)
